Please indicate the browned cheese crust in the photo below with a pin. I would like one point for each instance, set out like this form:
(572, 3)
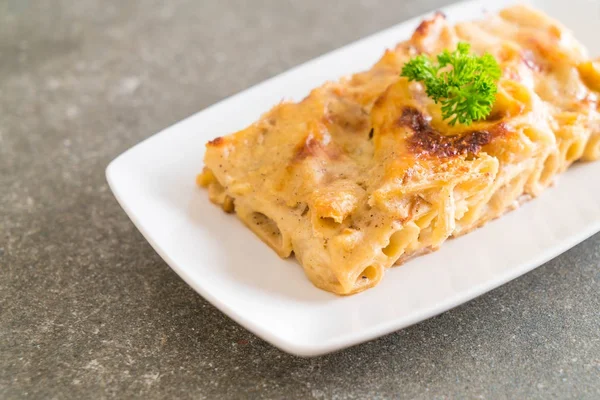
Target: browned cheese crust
(364, 173)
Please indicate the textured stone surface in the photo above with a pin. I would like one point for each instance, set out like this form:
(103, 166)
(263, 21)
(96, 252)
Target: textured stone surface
(88, 310)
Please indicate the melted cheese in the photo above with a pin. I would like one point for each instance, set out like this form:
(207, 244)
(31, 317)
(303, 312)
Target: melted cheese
(363, 173)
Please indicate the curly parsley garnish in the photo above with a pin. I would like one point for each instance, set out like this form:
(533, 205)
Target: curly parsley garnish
(467, 90)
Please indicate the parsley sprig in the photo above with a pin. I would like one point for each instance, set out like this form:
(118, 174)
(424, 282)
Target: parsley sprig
(464, 83)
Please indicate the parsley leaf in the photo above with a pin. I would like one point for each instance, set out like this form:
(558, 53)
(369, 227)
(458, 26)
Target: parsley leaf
(464, 83)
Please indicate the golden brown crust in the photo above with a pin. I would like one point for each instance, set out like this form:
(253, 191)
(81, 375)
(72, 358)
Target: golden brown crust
(364, 173)
(216, 142)
(314, 145)
(426, 141)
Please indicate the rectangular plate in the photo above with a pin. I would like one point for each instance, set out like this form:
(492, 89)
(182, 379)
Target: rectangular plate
(223, 261)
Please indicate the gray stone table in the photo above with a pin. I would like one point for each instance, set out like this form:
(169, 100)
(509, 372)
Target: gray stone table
(87, 308)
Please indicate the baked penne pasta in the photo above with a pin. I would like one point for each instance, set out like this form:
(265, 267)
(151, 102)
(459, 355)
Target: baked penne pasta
(365, 173)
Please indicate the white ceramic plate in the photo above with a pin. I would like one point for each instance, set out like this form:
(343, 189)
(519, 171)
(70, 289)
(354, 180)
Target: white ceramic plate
(223, 261)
